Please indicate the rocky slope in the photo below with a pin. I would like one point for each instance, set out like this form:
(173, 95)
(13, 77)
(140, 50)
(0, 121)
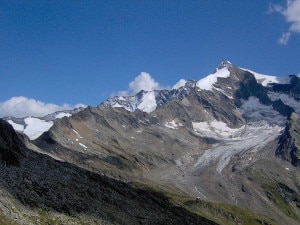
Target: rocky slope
(224, 148)
(37, 189)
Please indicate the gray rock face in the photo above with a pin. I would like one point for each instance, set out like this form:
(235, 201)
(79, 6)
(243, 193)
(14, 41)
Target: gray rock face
(289, 142)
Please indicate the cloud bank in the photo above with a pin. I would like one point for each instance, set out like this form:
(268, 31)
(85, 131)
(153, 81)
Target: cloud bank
(292, 16)
(22, 106)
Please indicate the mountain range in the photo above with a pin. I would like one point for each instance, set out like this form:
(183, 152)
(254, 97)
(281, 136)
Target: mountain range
(220, 150)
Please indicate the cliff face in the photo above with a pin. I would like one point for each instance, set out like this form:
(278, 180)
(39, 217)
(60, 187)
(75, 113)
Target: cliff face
(289, 141)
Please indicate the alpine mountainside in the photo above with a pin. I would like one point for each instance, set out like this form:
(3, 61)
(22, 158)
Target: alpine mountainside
(223, 149)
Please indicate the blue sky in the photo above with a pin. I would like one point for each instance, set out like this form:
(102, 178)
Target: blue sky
(69, 52)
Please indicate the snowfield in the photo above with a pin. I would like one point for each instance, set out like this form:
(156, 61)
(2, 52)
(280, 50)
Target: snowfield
(35, 127)
(267, 79)
(207, 82)
(16, 126)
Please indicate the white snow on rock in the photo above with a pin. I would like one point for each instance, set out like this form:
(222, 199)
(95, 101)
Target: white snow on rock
(17, 127)
(36, 127)
(76, 132)
(82, 145)
(172, 124)
(33, 127)
(117, 105)
(148, 103)
(207, 82)
(267, 79)
(216, 129)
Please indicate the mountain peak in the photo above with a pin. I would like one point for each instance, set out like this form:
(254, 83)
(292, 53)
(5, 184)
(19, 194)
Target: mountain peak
(225, 64)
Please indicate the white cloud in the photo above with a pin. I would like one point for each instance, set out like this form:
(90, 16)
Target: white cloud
(144, 81)
(22, 106)
(292, 16)
(179, 84)
(284, 38)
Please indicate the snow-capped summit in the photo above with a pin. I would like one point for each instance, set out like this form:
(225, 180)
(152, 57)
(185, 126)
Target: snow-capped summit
(207, 82)
(228, 79)
(148, 101)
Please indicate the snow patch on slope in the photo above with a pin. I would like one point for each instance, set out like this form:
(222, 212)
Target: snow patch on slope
(82, 145)
(16, 126)
(267, 79)
(207, 82)
(215, 129)
(35, 127)
(77, 134)
(172, 124)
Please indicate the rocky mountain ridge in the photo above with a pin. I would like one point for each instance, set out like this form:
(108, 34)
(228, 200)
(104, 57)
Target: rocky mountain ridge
(33, 127)
(234, 82)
